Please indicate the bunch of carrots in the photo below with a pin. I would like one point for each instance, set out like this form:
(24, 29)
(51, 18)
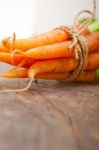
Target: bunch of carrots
(47, 55)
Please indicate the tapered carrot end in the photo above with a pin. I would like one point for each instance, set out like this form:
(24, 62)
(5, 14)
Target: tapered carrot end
(3, 48)
(5, 42)
(3, 75)
(22, 73)
(31, 73)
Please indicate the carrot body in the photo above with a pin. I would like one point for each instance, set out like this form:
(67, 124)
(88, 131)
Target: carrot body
(62, 65)
(3, 49)
(22, 73)
(61, 49)
(84, 76)
(53, 36)
(51, 65)
(6, 57)
(92, 62)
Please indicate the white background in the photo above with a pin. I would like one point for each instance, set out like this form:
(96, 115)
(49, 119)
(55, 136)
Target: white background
(26, 17)
(51, 13)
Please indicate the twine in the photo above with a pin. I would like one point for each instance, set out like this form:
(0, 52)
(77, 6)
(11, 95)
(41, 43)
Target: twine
(80, 48)
(79, 45)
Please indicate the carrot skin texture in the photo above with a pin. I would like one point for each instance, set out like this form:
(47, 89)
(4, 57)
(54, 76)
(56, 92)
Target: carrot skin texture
(47, 38)
(71, 63)
(6, 57)
(54, 36)
(60, 50)
(93, 61)
(3, 49)
(62, 65)
(22, 73)
(85, 76)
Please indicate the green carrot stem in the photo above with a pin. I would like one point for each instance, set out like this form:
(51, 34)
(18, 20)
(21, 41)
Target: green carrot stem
(93, 26)
(97, 74)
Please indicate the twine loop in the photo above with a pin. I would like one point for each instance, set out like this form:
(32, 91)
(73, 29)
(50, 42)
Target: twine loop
(79, 45)
(80, 48)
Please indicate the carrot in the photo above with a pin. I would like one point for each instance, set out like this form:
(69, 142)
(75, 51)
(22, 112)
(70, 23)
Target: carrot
(62, 65)
(59, 50)
(84, 76)
(6, 57)
(93, 61)
(3, 49)
(21, 73)
(53, 36)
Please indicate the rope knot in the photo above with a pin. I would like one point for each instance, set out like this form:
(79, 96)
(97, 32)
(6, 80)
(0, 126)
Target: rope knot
(80, 47)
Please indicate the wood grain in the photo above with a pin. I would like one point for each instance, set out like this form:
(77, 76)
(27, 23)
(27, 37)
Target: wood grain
(50, 116)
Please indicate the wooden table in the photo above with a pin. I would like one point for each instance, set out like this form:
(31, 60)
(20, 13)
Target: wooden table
(50, 116)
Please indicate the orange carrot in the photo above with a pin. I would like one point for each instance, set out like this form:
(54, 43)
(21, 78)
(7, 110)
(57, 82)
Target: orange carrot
(87, 76)
(6, 57)
(61, 49)
(21, 73)
(83, 77)
(62, 65)
(93, 61)
(53, 36)
(3, 49)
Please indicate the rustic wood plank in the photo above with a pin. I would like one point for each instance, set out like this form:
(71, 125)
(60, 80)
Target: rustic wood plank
(50, 116)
